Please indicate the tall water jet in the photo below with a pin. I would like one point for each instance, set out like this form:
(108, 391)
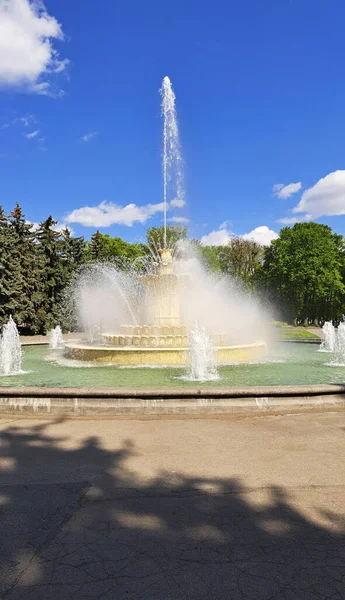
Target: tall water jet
(56, 341)
(329, 337)
(142, 315)
(202, 365)
(172, 157)
(10, 349)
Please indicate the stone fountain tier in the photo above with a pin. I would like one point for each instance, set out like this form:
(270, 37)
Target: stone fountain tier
(164, 336)
(164, 290)
(158, 356)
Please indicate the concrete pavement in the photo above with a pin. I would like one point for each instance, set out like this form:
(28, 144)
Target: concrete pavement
(173, 508)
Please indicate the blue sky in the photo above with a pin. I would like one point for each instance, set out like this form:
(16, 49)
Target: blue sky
(260, 90)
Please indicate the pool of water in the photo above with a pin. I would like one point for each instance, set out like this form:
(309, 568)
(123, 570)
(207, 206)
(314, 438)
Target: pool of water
(286, 364)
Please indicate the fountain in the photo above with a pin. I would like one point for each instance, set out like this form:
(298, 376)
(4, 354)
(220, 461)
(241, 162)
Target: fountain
(56, 341)
(329, 337)
(202, 366)
(10, 350)
(165, 303)
(147, 318)
(338, 357)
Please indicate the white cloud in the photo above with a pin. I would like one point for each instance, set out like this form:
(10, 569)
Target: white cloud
(27, 54)
(34, 226)
(326, 197)
(107, 214)
(261, 235)
(288, 220)
(277, 187)
(225, 225)
(88, 136)
(26, 120)
(32, 135)
(217, 238)
(285, 191)
(293, 220)
(177, 203)
(181, 220)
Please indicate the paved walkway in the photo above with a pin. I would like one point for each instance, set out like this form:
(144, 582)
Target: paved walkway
(316, 331)
(173, 509)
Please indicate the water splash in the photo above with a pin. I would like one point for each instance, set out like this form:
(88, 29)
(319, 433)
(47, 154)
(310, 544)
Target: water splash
(94, 335)
(329, 337)
(203, 365)
(172, 157)
(106, 297)
(10, 350)
(338, 358)
(56, 341)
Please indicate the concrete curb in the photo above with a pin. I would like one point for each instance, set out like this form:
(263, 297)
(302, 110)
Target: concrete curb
(25, 344)
(174, 392)
(168, 401)
(300, 341)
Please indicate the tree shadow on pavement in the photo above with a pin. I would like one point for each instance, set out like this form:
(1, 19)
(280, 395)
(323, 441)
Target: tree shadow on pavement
(77, 524)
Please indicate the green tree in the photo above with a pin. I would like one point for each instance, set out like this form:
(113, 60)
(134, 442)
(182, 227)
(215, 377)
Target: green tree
(97, 246)
(73, 252)
(52, 274)
(27, 284)
(242, 260)
(104, 247)
(209, 255)
(116, 247)
(175, 233)
(7, 268)
(302, 272)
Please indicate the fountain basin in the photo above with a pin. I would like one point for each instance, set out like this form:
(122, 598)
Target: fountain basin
(140, 356)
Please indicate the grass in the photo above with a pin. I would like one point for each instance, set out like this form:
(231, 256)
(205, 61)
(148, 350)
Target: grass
(295, 333)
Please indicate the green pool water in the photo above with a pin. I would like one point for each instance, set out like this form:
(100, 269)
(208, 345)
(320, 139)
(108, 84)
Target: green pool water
(285, 364)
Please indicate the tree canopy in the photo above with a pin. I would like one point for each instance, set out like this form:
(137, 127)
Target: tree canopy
(174, 234)
(302, 272)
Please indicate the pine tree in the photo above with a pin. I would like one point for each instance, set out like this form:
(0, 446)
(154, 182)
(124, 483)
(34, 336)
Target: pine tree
(7, 268)
(27, 288)
(74, 254)
(98, 249)
(52, 275)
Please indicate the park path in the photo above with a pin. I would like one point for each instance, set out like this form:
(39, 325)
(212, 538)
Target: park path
(173, 508)
(28, 340)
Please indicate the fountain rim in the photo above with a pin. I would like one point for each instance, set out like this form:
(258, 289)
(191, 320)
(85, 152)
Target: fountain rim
(197, 392)
(164, 403)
